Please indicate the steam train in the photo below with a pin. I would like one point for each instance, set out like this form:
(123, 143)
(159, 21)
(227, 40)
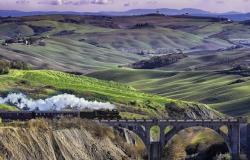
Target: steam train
(28, 115)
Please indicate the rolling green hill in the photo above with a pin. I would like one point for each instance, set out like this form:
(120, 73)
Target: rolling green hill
(44, 83)
(226, 93)
(87, 43)
(211, 60)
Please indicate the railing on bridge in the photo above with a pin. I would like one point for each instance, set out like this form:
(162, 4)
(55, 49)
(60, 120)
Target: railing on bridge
(230, 120)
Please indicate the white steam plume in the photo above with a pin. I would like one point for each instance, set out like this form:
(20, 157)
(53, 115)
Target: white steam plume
(59, 102)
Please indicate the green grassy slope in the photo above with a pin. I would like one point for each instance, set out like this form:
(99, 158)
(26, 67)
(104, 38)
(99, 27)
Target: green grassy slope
(146, 39)
(41, 84)
(217, 90)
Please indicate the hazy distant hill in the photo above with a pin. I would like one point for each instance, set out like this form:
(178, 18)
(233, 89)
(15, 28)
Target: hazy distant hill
(237, 16)
(165, 11)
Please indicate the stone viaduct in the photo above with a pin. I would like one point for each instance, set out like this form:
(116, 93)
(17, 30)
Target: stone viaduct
(237, 138)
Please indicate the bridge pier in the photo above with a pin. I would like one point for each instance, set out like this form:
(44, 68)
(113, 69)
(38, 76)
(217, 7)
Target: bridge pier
(155, 151)
(162, 139)
(248, 141)
(156, 148)
(148, 141)
(245, 139)
(234, 137)
(234, 134)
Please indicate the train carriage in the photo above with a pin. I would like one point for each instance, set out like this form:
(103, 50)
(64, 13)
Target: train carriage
(17, 115)
(28, 115)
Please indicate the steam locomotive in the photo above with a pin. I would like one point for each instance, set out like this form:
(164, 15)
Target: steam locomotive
(28, 115)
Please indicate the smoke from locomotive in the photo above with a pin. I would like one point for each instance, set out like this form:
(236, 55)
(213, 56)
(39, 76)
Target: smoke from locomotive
(58, 102)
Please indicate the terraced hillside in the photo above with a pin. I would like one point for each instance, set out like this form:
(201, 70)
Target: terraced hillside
(226, 93)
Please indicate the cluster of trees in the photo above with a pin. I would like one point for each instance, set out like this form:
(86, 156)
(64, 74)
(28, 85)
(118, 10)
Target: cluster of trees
(158, 61)
(143, 25)
(17, 64)
(5, 66)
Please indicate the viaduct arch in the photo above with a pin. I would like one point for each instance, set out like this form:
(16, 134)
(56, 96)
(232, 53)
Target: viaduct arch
(237, 137)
